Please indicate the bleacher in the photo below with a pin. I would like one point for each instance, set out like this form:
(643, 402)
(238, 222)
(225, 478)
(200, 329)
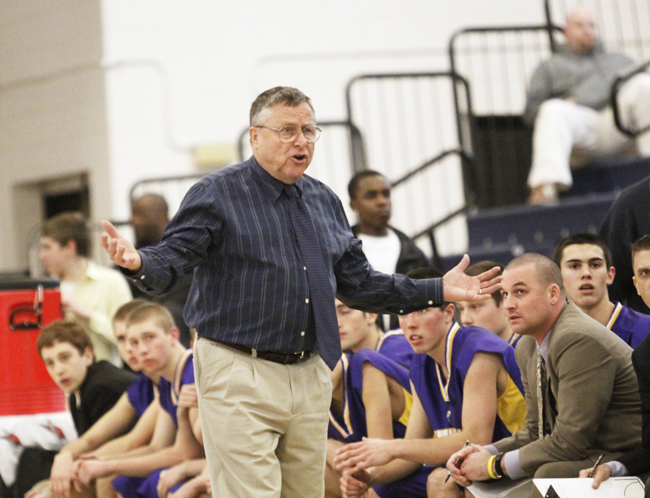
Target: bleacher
(455, 147)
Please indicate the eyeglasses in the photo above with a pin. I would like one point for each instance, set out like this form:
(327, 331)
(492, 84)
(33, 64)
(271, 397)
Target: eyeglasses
(290, 133)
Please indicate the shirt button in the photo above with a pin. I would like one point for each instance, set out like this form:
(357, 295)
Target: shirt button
(401, 311)
(304, 268)
(302, 333)
(142, 277)
(430, 303)
(307, 301)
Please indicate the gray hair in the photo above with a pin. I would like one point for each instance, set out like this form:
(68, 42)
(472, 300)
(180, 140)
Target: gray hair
(278, 95)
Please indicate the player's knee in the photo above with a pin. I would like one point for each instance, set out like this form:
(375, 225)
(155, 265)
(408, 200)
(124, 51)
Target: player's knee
(436, 485)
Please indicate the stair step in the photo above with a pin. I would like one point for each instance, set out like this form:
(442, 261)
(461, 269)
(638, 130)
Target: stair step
(610, 175)
(537, 225)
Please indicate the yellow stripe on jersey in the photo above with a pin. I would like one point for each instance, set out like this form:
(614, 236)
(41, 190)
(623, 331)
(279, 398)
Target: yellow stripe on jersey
(408, 404)
(614, 316)
(511, 407)
(451, 334)
(347, 430)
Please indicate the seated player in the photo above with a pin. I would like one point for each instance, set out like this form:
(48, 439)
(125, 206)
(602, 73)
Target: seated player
(586, 265)
(458, 372)
(359, 330)
(116, 422)
(155, 339)
(370, 398)
(93, 388)
(188, 479)
(489, 314)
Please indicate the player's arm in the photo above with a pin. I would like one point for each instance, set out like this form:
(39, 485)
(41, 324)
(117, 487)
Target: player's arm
(478, 416)
(187, 444)
(113, 423)
(136, 463)
(383, 457)
(480, 396)
(179, 473)
(377, 402)
(139, 437)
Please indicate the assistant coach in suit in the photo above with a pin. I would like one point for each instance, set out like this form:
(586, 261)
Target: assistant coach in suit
(590, 398)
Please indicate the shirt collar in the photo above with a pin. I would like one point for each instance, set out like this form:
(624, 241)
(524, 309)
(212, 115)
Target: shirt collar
(543, 347)
(92, 271)
(271, 186)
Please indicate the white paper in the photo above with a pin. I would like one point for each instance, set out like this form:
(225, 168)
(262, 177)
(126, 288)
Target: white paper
(623, 487)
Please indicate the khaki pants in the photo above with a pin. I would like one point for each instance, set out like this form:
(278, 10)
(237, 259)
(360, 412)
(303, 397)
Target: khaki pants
(264, 424)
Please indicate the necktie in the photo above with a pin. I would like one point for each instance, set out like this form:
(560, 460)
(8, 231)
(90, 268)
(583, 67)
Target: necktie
(541, 377)
(320, 288)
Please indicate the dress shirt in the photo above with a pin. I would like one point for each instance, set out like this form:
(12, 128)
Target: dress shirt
(101, 292)
(250, 286)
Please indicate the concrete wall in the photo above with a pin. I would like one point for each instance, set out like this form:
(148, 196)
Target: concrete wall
(52, 112)
(121, 90)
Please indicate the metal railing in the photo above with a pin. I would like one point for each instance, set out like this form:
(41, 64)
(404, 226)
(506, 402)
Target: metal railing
(631, 132)
(497, 63)
(409, 128)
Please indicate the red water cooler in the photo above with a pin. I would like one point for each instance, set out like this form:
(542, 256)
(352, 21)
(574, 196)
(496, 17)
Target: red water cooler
(26, 306)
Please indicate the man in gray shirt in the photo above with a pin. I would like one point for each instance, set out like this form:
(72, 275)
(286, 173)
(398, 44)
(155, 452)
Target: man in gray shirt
(568, 104)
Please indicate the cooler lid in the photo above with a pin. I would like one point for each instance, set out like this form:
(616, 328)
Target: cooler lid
(27, 284)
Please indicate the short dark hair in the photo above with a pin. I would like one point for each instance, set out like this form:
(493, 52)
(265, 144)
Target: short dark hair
(124, 310)
(353, 185)
(581, 238)
(286, 95)
(64, 331)
(483, 266)
(642, 244)
(547, 271)
(153, 204)
(67, 226)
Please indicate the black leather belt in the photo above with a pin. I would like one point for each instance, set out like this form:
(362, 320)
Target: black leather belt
(282, 358)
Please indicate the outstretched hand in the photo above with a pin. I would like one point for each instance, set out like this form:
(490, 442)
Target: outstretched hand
(120, 250)
(457, 286)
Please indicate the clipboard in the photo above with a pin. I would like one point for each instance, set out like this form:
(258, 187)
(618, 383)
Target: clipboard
(614, 487)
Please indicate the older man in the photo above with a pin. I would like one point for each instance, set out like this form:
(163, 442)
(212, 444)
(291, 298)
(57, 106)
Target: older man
(582, 396)
(568, 102)
(271, 248)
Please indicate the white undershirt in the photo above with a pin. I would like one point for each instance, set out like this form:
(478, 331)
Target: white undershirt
(382, 253)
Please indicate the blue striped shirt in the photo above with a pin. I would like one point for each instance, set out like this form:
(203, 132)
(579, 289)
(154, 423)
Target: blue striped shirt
(250, 286)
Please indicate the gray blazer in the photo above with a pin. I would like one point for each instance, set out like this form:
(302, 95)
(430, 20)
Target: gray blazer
(596, 407)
